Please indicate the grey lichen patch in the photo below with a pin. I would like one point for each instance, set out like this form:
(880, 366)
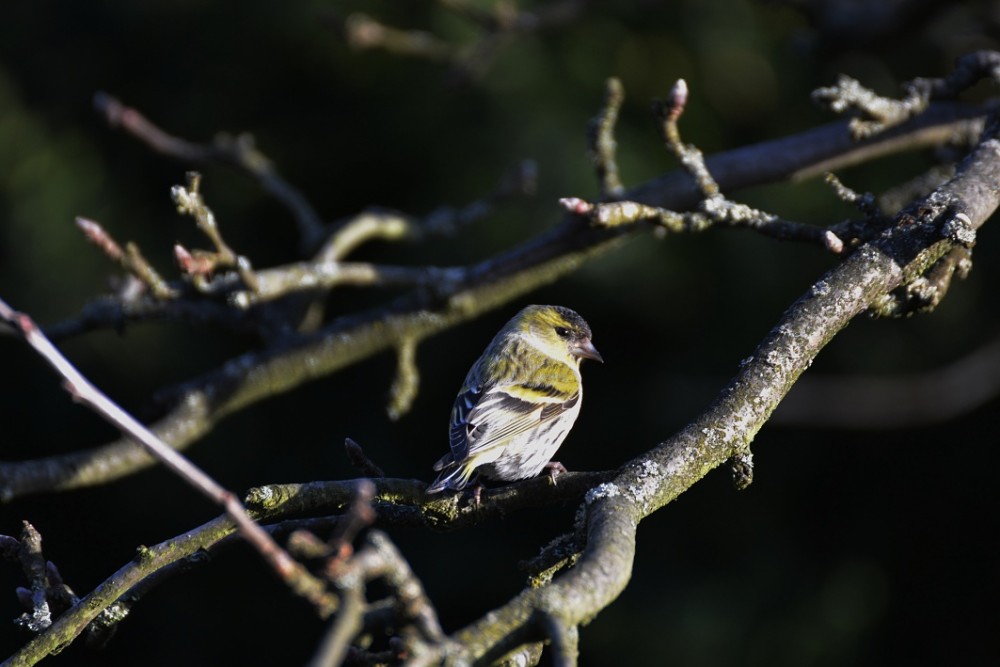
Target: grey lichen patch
(519, 659)
(648, 483)
(959, 229)
(113, 614)
(736, 429)
(606, 490)
(263, 498)
(820, 288)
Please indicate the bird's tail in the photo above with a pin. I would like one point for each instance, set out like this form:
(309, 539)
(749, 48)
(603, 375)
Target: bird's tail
(453, 476)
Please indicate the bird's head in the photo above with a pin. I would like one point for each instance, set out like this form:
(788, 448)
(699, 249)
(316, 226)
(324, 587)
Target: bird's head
(558, 331)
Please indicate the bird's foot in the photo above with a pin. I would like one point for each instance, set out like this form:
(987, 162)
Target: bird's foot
(554, 469)
(477, 492)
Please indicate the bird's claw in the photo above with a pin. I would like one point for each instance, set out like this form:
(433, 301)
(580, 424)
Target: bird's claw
(554, 469)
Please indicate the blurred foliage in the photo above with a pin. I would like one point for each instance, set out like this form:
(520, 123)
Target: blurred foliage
(850, 548)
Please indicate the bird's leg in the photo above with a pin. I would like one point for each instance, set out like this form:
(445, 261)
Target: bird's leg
(477, 492)
(554, 468)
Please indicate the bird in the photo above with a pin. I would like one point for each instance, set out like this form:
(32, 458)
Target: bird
(519, 400)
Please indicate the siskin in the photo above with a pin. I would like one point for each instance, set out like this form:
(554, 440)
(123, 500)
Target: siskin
(519, 400)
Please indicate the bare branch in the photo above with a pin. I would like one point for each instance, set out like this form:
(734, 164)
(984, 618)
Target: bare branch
(200, 265)
(364, 32)
(865, 202)
(360, 460)
(497, 26)
(38, 617)
(716, 207)
(96, 235)
(386, 225)
(404, 386)
(603, 146)
(813, 153)
(403, 501)
(879, 113)
(716, 211)
(876, 113)
(239, 152)
(130, 259)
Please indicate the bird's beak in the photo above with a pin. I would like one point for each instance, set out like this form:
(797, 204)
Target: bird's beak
(586, 350)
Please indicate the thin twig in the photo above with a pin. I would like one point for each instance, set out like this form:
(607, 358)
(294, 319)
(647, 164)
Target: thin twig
(496, 28)
(344, 627)
(716, 212)
(240, 153)
(407, 381)
(38, 616)
(380, 560)
(201, 264)
(603, 146)
(130, 259)
(715, 207)
(388, 225)
(282, 281)
(877, 113)
(360, 460)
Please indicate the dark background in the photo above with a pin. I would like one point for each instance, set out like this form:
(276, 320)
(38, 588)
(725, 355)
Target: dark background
(849, 548)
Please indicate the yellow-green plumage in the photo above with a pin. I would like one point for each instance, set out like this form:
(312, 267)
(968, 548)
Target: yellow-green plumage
(519, 400)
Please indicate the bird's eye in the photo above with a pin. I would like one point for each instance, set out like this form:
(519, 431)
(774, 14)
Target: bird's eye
(562, 332)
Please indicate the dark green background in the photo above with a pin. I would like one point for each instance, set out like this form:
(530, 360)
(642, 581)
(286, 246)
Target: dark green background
(849, 548)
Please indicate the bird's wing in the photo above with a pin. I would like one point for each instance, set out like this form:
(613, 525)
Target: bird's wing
(483, 419)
